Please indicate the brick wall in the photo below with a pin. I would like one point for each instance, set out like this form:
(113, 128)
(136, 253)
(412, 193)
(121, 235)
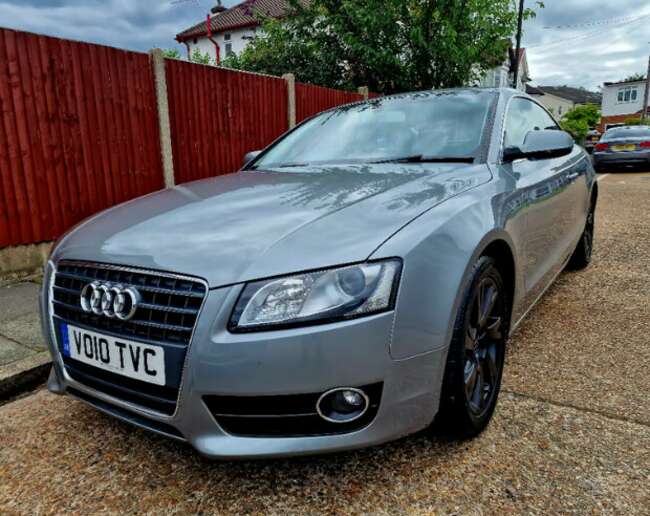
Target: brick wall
(616, 119)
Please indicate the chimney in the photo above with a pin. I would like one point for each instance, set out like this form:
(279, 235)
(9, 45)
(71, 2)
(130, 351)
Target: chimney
(218, 8)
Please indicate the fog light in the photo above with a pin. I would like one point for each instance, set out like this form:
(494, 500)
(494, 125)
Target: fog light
(342, 405)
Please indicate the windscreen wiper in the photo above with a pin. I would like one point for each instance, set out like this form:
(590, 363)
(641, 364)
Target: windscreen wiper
(419, 158)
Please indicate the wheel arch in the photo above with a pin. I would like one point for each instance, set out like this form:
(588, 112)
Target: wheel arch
(594, 194)
(501, 252)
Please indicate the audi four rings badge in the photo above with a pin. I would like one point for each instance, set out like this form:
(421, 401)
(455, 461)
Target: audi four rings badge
(109, 299)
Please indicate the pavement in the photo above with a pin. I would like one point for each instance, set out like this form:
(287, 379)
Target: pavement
(24, 359)
(571, 433)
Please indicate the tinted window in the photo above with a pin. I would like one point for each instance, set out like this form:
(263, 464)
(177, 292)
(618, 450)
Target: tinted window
(524, 116)
(627, 132)
(431, 124)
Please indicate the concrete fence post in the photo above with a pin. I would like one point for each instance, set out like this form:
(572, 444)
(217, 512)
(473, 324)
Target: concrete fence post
(363, 90)
(291, 97)
(158, 63)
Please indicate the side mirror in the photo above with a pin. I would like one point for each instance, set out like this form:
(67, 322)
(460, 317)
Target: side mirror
(250, 156)
(547, 143)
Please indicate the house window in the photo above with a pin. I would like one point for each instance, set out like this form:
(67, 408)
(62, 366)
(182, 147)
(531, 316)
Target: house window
(226, 37)
(228, 49)
(627, 94)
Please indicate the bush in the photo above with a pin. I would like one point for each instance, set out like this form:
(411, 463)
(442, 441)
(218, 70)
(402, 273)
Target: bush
(579, 120)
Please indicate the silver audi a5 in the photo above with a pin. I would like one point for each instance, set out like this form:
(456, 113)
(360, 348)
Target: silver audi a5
(355, 282)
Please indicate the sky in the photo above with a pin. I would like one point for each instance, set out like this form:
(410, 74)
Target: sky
(574, 42)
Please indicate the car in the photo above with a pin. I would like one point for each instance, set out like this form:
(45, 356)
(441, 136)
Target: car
(591, 140)
(623, 147)
(353, 283)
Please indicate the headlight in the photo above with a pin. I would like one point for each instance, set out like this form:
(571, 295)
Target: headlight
(320, 296)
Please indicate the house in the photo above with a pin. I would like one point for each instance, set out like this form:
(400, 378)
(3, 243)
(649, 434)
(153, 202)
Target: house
(560, 99)
(621, 100)
(558, 106)
(231, 29)
(501, 76)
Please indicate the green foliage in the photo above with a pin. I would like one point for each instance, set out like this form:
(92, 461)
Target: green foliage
(200, 58)
(171, 53)
(388, 45)
(635, 77)
(579, 120)
(633, 121)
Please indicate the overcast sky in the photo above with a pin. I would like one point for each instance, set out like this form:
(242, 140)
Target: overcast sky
(616, 44)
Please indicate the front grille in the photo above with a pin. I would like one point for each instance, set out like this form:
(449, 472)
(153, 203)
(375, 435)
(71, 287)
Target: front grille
(168, 311)
(284, 416)
(165, 317)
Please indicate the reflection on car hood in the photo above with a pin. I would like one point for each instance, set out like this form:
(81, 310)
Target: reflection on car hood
(257, 224)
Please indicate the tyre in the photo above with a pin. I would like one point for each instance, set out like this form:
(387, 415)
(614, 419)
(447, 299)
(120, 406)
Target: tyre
(581, 257)
(476, 354)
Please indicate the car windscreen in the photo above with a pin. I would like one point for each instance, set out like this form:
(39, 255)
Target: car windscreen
(427, 126)
(626, 132)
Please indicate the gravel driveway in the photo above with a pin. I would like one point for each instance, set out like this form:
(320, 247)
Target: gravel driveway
(571, 433)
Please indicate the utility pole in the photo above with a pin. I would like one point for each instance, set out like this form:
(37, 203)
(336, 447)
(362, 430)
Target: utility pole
(515, 72)
(647, 92)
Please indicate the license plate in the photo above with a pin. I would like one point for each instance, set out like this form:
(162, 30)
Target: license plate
(136, 360)
(619, 148)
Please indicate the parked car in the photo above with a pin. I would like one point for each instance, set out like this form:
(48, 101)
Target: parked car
(355, 282)
(592, 138)
(623, 146)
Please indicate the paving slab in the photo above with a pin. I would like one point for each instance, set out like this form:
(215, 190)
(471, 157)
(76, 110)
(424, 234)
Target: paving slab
(26, 329)
(23, 355)
(17, 300)
(58, 455)
(12, 351)
(587, 343)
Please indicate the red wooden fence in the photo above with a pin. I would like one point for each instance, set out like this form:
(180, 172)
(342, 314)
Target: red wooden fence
(312, 99)
(218, 115)
(79, 127)
(78, 133)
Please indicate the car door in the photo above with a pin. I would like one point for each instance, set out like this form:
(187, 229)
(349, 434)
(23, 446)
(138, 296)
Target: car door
(551, 197)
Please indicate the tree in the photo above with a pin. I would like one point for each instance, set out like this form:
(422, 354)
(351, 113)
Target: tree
(579, 120)
(388, 45)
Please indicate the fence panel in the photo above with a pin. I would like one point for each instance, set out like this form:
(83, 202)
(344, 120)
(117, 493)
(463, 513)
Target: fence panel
(312, 99)
(78, 133)
(218, 115)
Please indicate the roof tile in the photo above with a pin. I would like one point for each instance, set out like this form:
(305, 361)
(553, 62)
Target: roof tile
(246, 13)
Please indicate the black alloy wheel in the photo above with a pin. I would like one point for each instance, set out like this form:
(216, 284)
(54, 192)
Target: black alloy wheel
(581, 257)
(476, 354)
(484, 347)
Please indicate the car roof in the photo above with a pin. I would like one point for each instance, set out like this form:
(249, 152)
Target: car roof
(628, 127)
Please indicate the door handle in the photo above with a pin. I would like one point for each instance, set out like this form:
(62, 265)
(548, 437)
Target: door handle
(573, 175)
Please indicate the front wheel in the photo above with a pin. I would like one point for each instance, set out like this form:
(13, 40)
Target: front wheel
(476, 354)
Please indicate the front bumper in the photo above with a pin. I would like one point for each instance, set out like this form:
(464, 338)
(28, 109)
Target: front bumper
(286, 362)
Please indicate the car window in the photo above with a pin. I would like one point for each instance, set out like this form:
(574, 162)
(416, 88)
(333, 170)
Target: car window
(523, 116)
(428, 124)
(627, 132)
